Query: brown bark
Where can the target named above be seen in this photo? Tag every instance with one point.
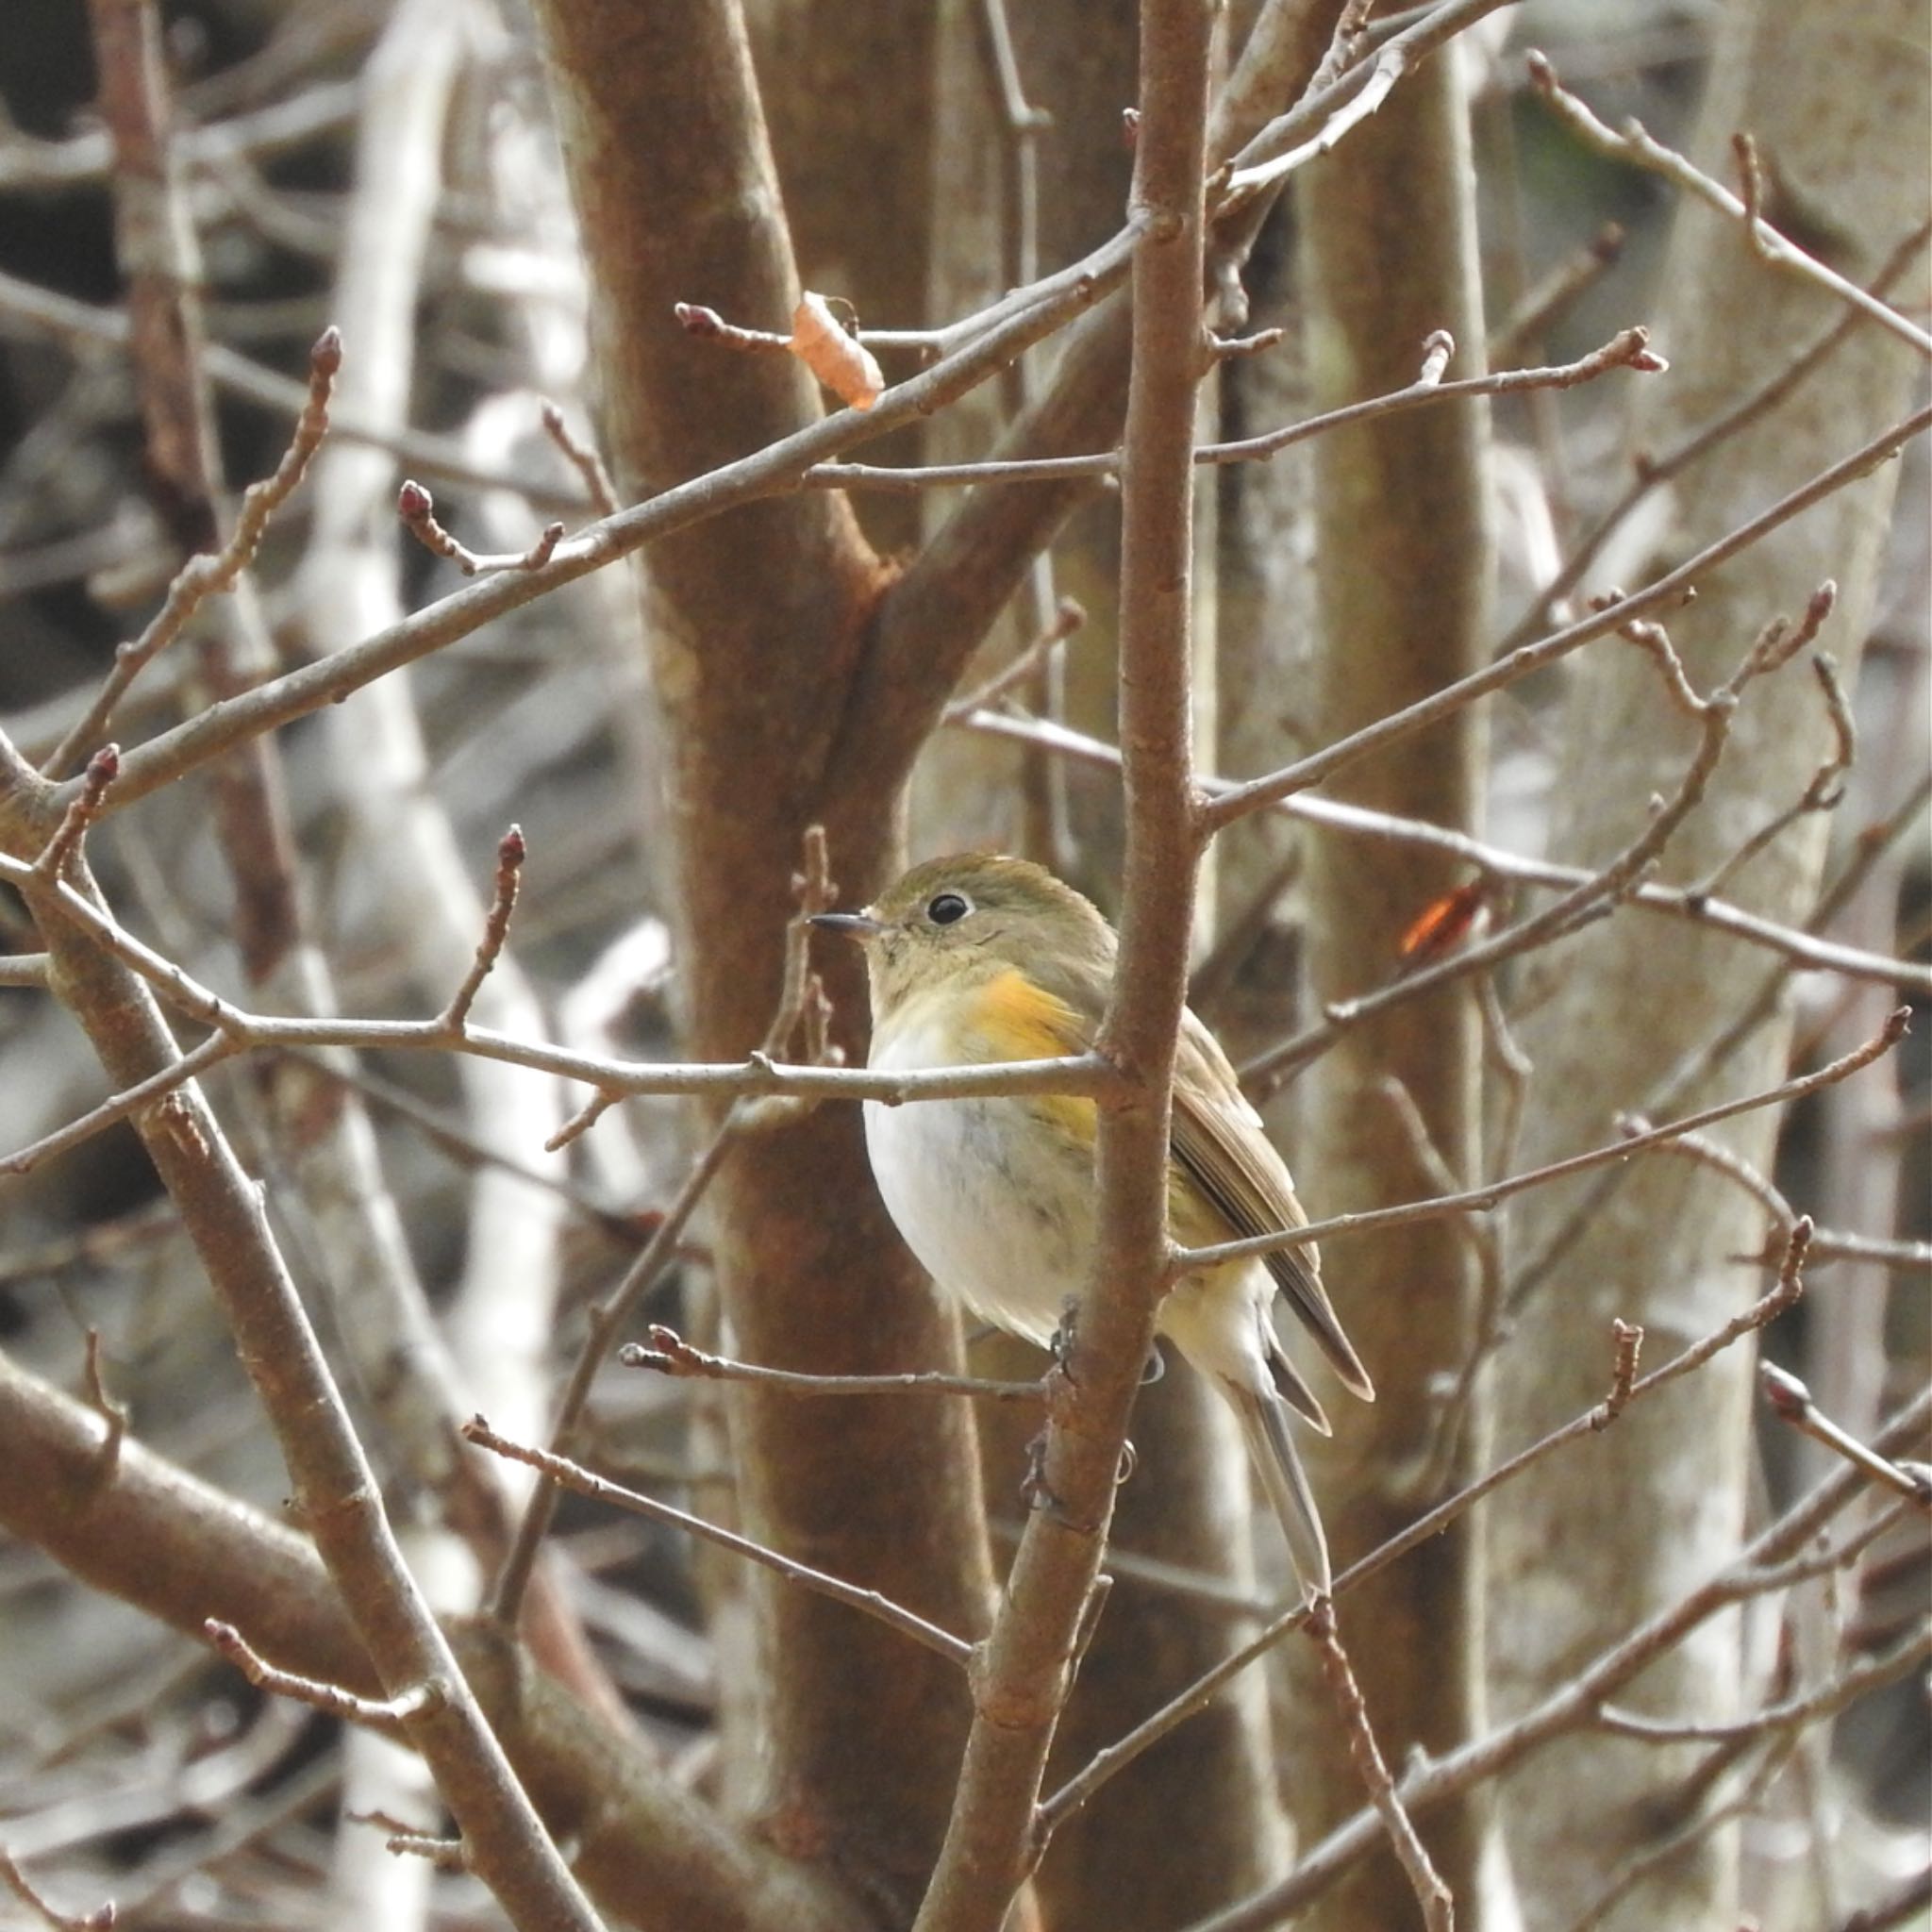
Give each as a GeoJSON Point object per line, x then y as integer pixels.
{"type": "Point", "coordinates": [1402, 568]}
{"type": "Point", "coordinates": [335, 1488]}
{"type": "Point", "coordinates": [757, 627]}
{"type": "Point", "coordinates": [1624, 1003]}
{"type": "Point", "coordinates": [1021, 1685]}
{"type": "Point", "coordinates": [847, 88]}
{"type": "Point", "coordinates": [141, 1529]}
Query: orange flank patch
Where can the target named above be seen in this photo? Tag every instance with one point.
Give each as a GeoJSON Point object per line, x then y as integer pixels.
{"type": "Point", "coordinates": [1019, 1020]}
{"type": "Point", "coordinates": [1015, 1019]}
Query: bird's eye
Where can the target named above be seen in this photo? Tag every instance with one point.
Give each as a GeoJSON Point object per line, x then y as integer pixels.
{"type": "Point", "coordinates": [948, 908]}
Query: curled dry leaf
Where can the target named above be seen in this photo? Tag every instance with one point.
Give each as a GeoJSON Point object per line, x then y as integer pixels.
{"type": "Point", "coordinates": [837, 358]}
{"type": "Point", "coordinates": [1443, 924]}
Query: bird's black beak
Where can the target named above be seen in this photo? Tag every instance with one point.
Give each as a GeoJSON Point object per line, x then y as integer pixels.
{"type": "Point", "coordinates": [855, 925]}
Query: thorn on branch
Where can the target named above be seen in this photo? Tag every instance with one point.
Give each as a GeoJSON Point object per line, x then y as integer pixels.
{"type": "Point", "coordinates": [1751, 189]}
{"type": "Point", "coordinates": [113, 1413]}
{"type": "Point", "coordinates": [1232, 348]}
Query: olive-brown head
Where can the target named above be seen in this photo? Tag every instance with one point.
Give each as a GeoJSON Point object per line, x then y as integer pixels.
{"type": "Point", "coordinates": [964, 921]}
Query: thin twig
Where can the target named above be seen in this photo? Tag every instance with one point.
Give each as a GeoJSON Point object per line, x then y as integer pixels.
{"type": "Point", "coordinates": [670, 1353]}
{"type": "Point", "coordinates": [1825, 791]}
{"type": "Point", "coordinates": [1626, 350]}
{"type": "Point", "coordinates": [407, 1840]}
{"type": "Point", "coordinates": [1634, 143]}
{"type": "Point", "coordinates": [202, 576]}
{"type": "Point", "coordinates": [1868, 1674]}
{"type": "Point", "coordinates": [15, 1880]}
{"type": "Point", "coordinates": [1187, 1259]}
{"type": "Point", "coordinates": [583, 458]}
{"type": "Point", "coordinates": [510, 853]}
{"type": "Point", "coordinates": [418, 1701]}
{"type": "Point", "coordinates": [1069, 617]}
{"type": "Point", "coordinates": [416, 508]}
{"type": "Point", "coordinates": [102, 770]}
{"type": "Point", "coordinates": [1113, 1758]}
{"type": "Point", "coordinates": [1431, 1893]}
{"type": "Point", "coordinates": [1790, 1402]}
{"type": "Point", "coordinates": [560, 1469]}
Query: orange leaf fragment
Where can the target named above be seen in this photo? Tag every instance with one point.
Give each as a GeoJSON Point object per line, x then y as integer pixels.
{"type": "Point", "coordinates": [1443, 924]}
{"type": "Point", "coordinates": [836, 357]}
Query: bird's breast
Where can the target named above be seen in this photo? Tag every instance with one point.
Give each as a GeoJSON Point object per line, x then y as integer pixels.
{"type": "Point", "coordinates": [993, 1196]}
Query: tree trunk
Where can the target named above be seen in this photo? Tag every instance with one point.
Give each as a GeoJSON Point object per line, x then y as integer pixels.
{"type": "Point", "coordinates": [1403, 570]}
{"type": "Point", "coordinates": [758, 620]}
{"type": "Point", "coordinates": [1590, 1542]}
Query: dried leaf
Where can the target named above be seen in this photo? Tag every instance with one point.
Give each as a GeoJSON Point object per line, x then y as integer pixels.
{"type": "Point", "coordinates": [838, 359]}
{"type": "Point", "coordinates": [1443, 924]}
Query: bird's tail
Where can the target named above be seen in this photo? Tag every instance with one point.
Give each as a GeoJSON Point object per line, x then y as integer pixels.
{"type": "Point", "coordinates": [1264, 1422]}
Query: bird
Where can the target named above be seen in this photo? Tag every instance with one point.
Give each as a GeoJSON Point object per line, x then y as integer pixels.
{"type": "Point", "coordinates": [978, 958]}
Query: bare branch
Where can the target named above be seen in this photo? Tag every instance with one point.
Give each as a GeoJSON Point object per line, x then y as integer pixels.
{"type": "Point", "coordinates": [1431, 1894]}
{"type": "Point", "coordinates": [1398, 725]}
{"type": "Point", "coordinates": [15, 1880]}
{"type": "Point", "coordinates": [1792, 1403]}
{"type": "Point", "coordinates": [599, 1489]}
{"type": "Point", "coordinates": [1802, 946]}
{"type": "Point", "coordinates": [1635, 144]}
{"type": "Point", "coordinates": [331, 1698]}
{"type": "Point", "coordinates": [1484, 1197]}
{"type": "Point", "coordinates": [1626, 350]}
{"type": "Point", "coordinates": [202, 577]}
{"type": "Point", "coordinates": [584, 459]}
{"type": "Point", "coordinates": [670, 1353]}
{"type": "Point", "coordinates": [510, 852]}
{"type": "Point", "coordinates": [417, 510]}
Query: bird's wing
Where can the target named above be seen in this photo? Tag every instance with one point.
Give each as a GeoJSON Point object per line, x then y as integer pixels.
{"type": "Point", "coordinates": [1242, 1178]}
